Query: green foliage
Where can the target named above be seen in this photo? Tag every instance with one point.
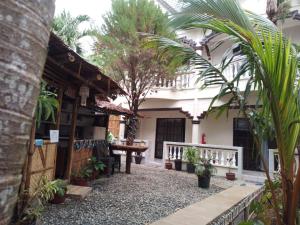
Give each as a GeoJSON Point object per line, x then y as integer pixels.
{"type": "Point", "coordinates": [95, 165]}
{"type": "Point", "coordinates": [36, 203]}
{"type": "Point", "coordinates": [67, 28]}
{"type": "Point", "coordinates": [205, 168]}
{"type": "Point", "coordinates": [119, 50]}
{"type": "Point", "coordinates": [46, 105]}
{"type": "Point", "coordinates": [85, 172]}
{"type": "Point", "coordinates": [60, 187]}
{"type": "Point", "coordinates": [191, 154]}
{"type": "Point", "coordinates": [271, 64]}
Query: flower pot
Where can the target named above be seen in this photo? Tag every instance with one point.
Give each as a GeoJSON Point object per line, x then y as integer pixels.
{"type": "Point", "coordinates": [178, 164]}
{"type": "Point", "coordinates": [138, 159]}
{"type": "Point", "coordinates": [79, 181]}
{"type": "Point", "coordinates": [168, 165]}
{"type": "Point", "coordinates": [58, 199]}
{"type": "Point", "coordinates": [230, 176]}
{"type": "Point", "coordinates": [190, 167]}
{"type": "Point", "coordinates": [203, 181]}
{"type": "Point", "coordinates": [95, 174]}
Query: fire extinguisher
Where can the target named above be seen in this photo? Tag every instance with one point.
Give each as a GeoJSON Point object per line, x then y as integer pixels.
{"type": "Point", "coordinates": [203, 138]}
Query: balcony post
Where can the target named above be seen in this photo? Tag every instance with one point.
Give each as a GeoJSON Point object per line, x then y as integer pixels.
{"type": "Point", "coordinates": [195, 131]}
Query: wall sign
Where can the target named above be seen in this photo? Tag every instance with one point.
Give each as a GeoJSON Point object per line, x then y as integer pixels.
{"type": "Point", "coordinates": [54, 135]}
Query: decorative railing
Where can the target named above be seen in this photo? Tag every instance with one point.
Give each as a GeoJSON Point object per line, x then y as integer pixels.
{"type": "Point", "coordinates": [137, 142]}
{"type": "Point", "coordinates": [274, 162]}
{"type": "Point", "coordinates": [189, 79]}
{"type": "Point", "coordinates": [221, 156]}
{"type": "Point", "coordinates": [182, 81]}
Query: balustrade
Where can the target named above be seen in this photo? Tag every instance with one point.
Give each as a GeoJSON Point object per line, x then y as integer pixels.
{"type": "Point", "coordinates": [220, 156]}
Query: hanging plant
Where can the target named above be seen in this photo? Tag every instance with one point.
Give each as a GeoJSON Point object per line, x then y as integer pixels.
{"type": "Point", "coordinates": [46, 105]}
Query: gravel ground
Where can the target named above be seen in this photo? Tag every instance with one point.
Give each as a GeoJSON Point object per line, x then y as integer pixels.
{"type": "Point", "coordinates": [142, 197]}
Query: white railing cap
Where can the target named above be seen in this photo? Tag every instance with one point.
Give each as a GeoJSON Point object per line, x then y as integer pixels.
{"type": "Point", "coordinates": [224, 147]}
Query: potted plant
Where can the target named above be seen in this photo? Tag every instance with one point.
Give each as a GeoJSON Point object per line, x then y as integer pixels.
{"type": "Point", "coordinates": [230, 175]}
{"type": "Point", "coordinates": [168, 164]}
{"type": "Point", "coordinates": [191, 154]}
{"type": "Point", "coordinates": [138, 158]}
{"type": "Point", "coordinates": [59, 192]}
{"type": "Point", "coordinates": [95, 166]}
{"type": "Point", "coordinates": [204, 170]}
{"type": "Point", "coordinates": [82, 176]}
{"type": "Point", "coordinates": [178, 164]}
{"type": "Point", "coordinates": [32, 210]}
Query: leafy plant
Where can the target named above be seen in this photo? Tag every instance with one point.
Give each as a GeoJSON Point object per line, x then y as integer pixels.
{"type": "Point", "coordinates": [46, 105]}
{"type": "Point", "coordinates": [269, 61]}
{"type": "Point", "coordinates": [67, 28]}
{"type": "Point", "coordinates": [205, 168]}
{"type": "Point", "coordinates": [36, 203]}
{"type": "Point", "coordinates": [95, 165]}
{"type": "Point", "coordinates": [85, 173]}
{"type": "Point", "coordinates": [60, 187]}
{"type": "Point", "coordinates": [191, 154]}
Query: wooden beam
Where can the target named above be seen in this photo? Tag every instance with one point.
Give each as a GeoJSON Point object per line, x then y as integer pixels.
{"type": "Point", "coordinates": [75, 75]}
{"type": "Point", "coordinates": [58, 113]}
{"type": "Point", "coordinates": [71, 140]}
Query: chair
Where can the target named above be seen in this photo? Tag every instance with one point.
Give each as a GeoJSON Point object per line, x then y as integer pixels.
{"type": "Point", "coordinates": [102, 153]}
{"type": "Point", "coordinates": [117, 159]}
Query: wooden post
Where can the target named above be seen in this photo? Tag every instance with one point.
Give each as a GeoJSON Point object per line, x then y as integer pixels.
{"type": "Point", "coordinates": [128, 161]}
{"type": "Point", "coordinates": [58, 113]}
{"type": "Point", "coordinates": [71, 140]}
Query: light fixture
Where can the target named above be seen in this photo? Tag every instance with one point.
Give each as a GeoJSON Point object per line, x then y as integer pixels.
{"type": "Point", "coordinates": [98, 77]}
{"type": "Point", "coordinates": [84, 94]}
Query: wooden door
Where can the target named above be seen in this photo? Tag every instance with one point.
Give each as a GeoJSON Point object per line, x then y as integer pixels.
{"type": "Point", "coordinates": [243, 137]}
{"type": "Point", "coordinates": [168, 129]}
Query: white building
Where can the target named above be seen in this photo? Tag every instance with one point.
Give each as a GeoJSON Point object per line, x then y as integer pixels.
{"type": "Point", "coordinates": [177, 111]}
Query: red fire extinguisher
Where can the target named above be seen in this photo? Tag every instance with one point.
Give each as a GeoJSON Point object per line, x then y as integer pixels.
{"type": "Point", "coordinates": [203, 138]}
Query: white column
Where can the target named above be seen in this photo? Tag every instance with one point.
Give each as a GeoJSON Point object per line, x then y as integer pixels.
{"type": "Point", "coordinates": [122, 128]}
{"type": "Point", "coordinates": [195, 131]}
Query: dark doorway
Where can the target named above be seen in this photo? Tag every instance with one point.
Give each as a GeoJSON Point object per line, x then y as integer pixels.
{"type": "Point", "coordinates": [243, 137]}
{"type": "Point", "coordinates": [170, 129]}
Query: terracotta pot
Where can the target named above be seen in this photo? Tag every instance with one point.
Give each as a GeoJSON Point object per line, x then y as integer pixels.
{"type": "Point", "coordinates": [95, 175]}
{"type": "Point", "coordinates": [79, 181]}
{"type": "Point", "coordinates": [230, 176]}
{"type": "Point", "coordinates": [58, 199]}
{"type": "Point", "coordinates": [168, 165]}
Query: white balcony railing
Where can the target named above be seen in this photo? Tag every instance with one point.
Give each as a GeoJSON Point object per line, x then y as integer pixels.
{"type": "Point", "coordinates": [189, 80]}
{"type": "Point", "coordinates": [274, 163]}
{"type": "Point", "coordinates": [221, 156]}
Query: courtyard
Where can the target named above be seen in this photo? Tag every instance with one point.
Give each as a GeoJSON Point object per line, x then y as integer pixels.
{"type": "Point", "coordinates": [142, 197]}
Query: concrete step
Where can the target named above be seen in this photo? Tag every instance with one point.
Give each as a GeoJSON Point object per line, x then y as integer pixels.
{"type": "Point", "coordinates": [78, 192]}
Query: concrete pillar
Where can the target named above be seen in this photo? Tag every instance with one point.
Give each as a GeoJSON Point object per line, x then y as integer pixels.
{"type": "Point", "coordinates": [195, 131]}
{"type": "Point", "coordinates": [122, 128]}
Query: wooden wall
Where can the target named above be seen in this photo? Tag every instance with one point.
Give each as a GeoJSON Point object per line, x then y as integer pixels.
{"type": "Point", "coordinates": [114, 125]}
{"type": "Point", "coordinates": [43, 164]}
{"type": "Point", "coordinates": [80, 159]}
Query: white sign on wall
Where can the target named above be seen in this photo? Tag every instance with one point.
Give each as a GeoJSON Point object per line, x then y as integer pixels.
{"type": "Point", "coordinates": [54, 135]}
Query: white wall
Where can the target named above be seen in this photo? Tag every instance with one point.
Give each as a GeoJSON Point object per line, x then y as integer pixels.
{"type": "Point", "coordinates": [219, 131]}
{"type": "Point", "coordinates": [147, 129]}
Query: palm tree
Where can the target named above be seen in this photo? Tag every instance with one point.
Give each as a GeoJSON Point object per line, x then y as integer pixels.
{"type": "Point", "coordinates": [25, 30]}
{"type": "Point", "coordinates": [272, 64]}
{"type": "Point", "coordinates": [277, 9]}
{"type": "Point", "coordinates": [67, 28]}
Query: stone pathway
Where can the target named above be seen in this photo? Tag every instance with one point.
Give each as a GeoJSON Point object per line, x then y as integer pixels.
{"type": "Point", "coordinates": [145, 196]}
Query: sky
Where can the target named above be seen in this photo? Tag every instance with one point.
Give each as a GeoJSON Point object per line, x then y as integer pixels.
{"type": "Point", "coordinates": [95, 9]}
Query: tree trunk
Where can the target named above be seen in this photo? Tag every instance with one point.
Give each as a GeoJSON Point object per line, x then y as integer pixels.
{"type": "Point", "coordinates": [24, 28]}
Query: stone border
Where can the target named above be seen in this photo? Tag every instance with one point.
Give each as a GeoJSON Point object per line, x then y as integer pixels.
{"type": "Point", "coordinates": [230, 215]}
